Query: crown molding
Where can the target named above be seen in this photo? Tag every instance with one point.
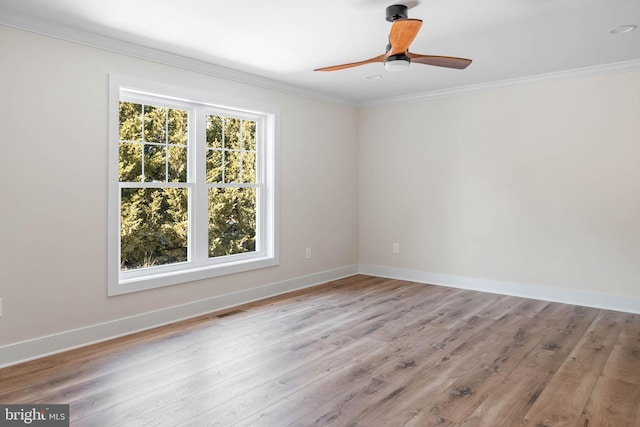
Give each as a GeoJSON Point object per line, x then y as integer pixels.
{"type": "Point", "coordinates": [614, 68]}
{"type": "Point", "coordinates": [87, 38]}
{"type": "Point", "coordinates": [62, 32]}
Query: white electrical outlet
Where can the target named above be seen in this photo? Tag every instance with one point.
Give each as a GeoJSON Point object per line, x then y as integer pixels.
{"type": "Point", "coordinates": [396, 248]}
{"type": "Point", "coordinates": [307, 253]}
{"type": "Point", "coordinates": [0, 307]}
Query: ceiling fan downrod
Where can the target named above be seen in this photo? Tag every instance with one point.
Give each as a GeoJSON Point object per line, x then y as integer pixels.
{"type": "Point", "coordinates": [397, 62]}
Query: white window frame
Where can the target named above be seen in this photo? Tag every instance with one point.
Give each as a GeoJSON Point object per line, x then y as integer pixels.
{"type": "Point", "coordinates": [199, 265]}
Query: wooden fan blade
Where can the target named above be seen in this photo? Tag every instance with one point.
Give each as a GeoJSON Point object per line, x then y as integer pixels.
{"type": "Point", "coordinates": [403, 31]}
{"type": "Point", "coordinates": [353, 64]}
{"type": "Point", "coordinates": [440, 61]}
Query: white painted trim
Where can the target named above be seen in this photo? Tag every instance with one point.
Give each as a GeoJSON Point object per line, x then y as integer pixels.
{"type": "Point", "coordinates": [197, 103]}
{"type": "Point", "coordinates": [618, 67]}
{"type": "Point", "coordinates": [43, 346]}
{"type": "Point", "coordinates": [51, 344]}
{"type": "Point", "coordinates": [562, 295]}
{"type": "Point", "coordinates": [87, 38]}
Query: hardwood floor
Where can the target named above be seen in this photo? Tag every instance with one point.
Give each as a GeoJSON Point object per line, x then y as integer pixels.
{"type": "Point", "coordinates": [361, 351]}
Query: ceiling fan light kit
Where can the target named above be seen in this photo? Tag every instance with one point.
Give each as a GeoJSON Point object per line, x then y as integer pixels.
{"type": "Point", "coordinates": [397, 63]}
{"type": "Point", "coordinates": [623, 29]}
{"type": "Point", "coordinates": [397, 56]}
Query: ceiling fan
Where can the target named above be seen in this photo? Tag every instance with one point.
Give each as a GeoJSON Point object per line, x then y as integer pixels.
{"type": "Point", "coordinates": [397, 56]}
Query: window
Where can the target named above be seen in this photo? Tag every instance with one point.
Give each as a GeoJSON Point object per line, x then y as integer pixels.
{"type": "Point", "coordinates": [191, 186]}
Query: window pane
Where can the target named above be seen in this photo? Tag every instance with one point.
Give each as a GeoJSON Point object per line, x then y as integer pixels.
{"type": "Point", "coordinates": [130, 165]}
{"type": "Point", "coordinates": [231, 166]}
{"type": "Point", "coordinates": [130, 121]}
{"type": "Point", "coordinates": [248, 135]}
{"type": "Point", "coordinates": [248, 166]}
{"type": "Point", "coordinates": [154, 124]}
{"type": "Point", "coordinates": [231, 133]}
{"type": "Point", "coordinates": [232, 221]}
{"type": "Point", "coordinates": [214, 132]}
{"type": "Point", "coordinates": [154, 163]}
{"type": "Point", "coordinates": [177, 163]}
{"type": "Point", "coordinates": [177, 127]}
{"type": "Point", "coordinates": [153, 227]}
{"type": "Point", "coordinates": [214, 166]}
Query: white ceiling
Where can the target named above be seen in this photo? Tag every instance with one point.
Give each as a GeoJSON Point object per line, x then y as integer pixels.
{"type": "Point", "coordinates": [284, 40]}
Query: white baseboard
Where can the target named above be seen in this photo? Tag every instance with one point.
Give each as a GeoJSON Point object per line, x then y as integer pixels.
{"type": "Point", "coordinates": [562, 295]}
{"type": "Point", "coordinates": [12, 354]}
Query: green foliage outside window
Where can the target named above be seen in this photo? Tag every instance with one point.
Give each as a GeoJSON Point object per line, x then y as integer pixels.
{"type": "Point", "coordinates": [154, 221]}
{"type": "Point", "coordinates": [231, 158]}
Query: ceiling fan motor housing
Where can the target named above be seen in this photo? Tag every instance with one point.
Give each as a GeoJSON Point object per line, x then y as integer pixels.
{"type": "Point", "coordinates": [397, 11]}
{"type": "Point", "coordinates": [399, 57]}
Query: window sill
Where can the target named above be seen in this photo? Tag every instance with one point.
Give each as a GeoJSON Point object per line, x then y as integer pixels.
{"type": "Point", "coordinates": [157, 280]}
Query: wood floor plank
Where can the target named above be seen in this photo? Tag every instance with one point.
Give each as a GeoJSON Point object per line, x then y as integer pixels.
{"type": "Point", "coordinates": [295, 381]}
{"type": "Point", "coordinates": [625, 357]}
{"type": "Point", "coordinates": [527, 380]}
{"type": "Point", "coordinates": [191, 396]}
{"type": "Point", "coordinates": [436, 305]}
{"type": "Point", "coordinates": [342, 382]}
{"type": "Point", "coordinates": [389, 405]}
{"type": "Point", "coordinates": [281, 413]}
{"type": "Point", "coordinates": [530, 307]}
{"type": "Point", "coordinates": [362, 351]}
{"type": "Point", "coordinates": [346, 408]}
{"type": "Point", "coordinates": [521, 386]}
{"type": "Point", "coordinates": [462, 398]}
{"type": "Point", "coordinates": [563, 399]}
{"type": "Point", "coordinates": [444, 352]}
{"type": "Point", "coordinates": [612, 403]}
{"type": "Point", "coordinates": [503, 305]}
{"type": "Point", "coordinates": [426, 418]}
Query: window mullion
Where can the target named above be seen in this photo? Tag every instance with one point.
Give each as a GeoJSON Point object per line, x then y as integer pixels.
{"type": "Point", "coordinates": [260, 192]}
{"type": "Point", "coordinates": [240, 153]}
{"type": "Point", "coordinates": [223, 146]}
{"type": "Point", "coordinates": [200, 221]}
{"type": "Point", "coordinates": [142, 142]}
{"type": "Point", "coordinates": [166, 145]}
